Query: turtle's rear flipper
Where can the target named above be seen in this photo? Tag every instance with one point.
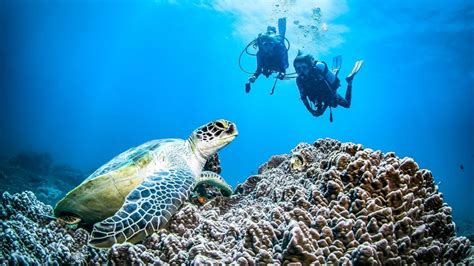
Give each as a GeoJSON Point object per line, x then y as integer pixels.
{"type": "Point", "coordinates": [70, 219]}
{"type": "Point", "coordinates": [354, 71]}
{"type": "Point", "coordinates": [146, 209]}
{"type": "Point", "coordinates": [215, 180]}
{"type": "Point", "coordinates": [209, 185]}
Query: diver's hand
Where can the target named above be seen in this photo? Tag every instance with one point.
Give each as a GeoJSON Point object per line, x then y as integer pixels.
{"type": "Point", "coordinates": [318, 112]}
{"type": "Point", "coordinates": [252, 79]}
{"type": "Point", "coordinates": [281, 76]}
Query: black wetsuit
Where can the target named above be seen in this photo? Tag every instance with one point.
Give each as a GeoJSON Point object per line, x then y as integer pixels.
{"type": "Point", "coordinates": [320, 92]}
{"type": "Point", "coordinates": [275, 61]}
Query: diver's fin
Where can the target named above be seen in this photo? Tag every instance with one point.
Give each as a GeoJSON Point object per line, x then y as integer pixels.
{"type": "Point", "coordinates": [336, 64]}
{"type": "Point", "coordinates": [282, 27]}
{"type": "Point", "coordinates": [354, 71]}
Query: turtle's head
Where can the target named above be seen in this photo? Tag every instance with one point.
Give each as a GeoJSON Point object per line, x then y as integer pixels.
{"type": "Point", "coordinates": [211, 137]}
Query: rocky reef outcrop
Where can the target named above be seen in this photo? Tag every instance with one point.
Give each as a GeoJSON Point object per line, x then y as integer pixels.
{"type": "Point", "coordinates": [324, 203]}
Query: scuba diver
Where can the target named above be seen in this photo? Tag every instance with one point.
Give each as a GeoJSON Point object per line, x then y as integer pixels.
{"type": "Point", "coordinates": [318, 85]}
{"type": "Point", "coordinates": [272, 54]}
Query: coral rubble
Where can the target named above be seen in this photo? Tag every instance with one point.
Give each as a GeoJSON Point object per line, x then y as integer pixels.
{"type": "Point", "coordinates": [329, 202]}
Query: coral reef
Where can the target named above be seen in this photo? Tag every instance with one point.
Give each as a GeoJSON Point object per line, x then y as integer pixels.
{"type": "Point", "coordinates": [465, 227]}
{"type": "Point", "coordinates": [213, 164]}
{"type": "Point", "coordinates": [38, 173]}
{"type": "Point", "coordinates": [326, 202]}
{"type": "Point", "coordinates": [38, 163]}
{"type": "Point", "coordinates": [29, 236]}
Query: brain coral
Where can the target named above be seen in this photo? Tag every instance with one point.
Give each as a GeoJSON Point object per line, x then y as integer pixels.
{"type": "Point", "coordinates": [329, 202]}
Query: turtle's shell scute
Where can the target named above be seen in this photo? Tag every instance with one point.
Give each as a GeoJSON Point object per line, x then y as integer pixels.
{"type": "Point", "coordinates": [129, 157]}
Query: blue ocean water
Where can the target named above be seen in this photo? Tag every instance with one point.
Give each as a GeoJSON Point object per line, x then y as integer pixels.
{"type": "Point", "coordinates": [86, 80]}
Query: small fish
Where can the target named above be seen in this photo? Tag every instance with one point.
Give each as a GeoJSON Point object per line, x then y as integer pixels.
{"type": "Point", "coordinates": [201, 200]}
{"type": "Point", "coordinates": [462, 167]}
{"type": "Point", "coordinates": [296, 162]}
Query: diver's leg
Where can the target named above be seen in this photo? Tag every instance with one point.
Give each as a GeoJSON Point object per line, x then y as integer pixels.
{"type": "Point", "coordinates": [345, 102]}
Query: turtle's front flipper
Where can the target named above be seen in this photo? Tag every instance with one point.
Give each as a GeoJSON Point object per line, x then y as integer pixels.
{"type": "Point", "coordinates": [146, 209]}
{"type": "Point", "coordinates": [215, 180]}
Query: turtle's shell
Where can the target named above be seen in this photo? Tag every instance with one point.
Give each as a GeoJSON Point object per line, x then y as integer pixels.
{"type": "Point", "coordinates": [104, 192]}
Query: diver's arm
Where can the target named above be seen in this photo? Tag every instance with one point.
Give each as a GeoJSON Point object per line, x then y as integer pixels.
{"type": "Point", "coordinates": [306, 103]}
{"type": "Point", "coordinates": [303, 95]}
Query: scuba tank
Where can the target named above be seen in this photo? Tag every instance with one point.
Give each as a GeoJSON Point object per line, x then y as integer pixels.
{"type": "Point", "coordinates": [330, 77]}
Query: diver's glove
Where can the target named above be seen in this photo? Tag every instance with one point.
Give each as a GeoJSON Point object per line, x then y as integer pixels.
{"type": "Point", "coordinates": [252, 79]}
{"type": "Point", "coordinates": [317, 112]}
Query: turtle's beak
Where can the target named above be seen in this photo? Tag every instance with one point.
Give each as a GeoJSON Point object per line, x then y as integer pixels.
{"type": "Point", "coordinates": [232, 130]}
{"type": "Point", "coordinates": [230, 133]}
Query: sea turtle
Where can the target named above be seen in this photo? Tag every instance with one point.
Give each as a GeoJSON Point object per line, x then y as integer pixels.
{"type": "Point", "coordinates": [137, 192]}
